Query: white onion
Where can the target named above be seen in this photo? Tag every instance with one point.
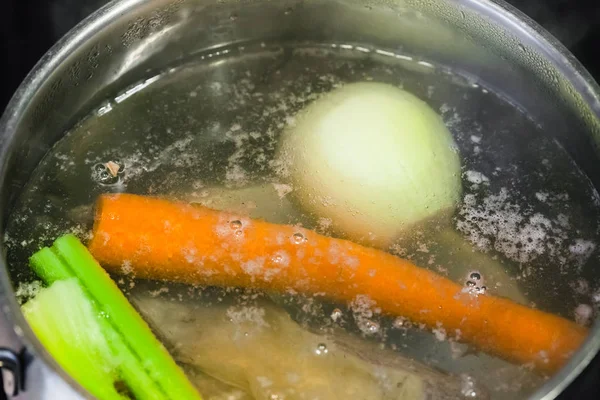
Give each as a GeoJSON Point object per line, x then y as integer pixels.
{"type": "Point", "coordinates": [374, 159]}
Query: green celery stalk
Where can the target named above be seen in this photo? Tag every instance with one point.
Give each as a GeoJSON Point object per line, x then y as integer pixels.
{"type": "Point", "coordinates": [99, 340]}
{"type": "Point", "coordinates": [157, 361]}
{"type": "Point", "coordinates": [49, 267]}
{"type": "Point", "coordinates": [64, 321]}
{"type": "Point", "coordinates": [130, 368]}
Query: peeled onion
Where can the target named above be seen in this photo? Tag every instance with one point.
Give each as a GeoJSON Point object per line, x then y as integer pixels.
{"type": "Point", "coordinates": [374, 159]}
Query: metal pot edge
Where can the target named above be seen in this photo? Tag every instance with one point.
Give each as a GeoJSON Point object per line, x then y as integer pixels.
{"type": "Point", "coordinates": [496, 10]}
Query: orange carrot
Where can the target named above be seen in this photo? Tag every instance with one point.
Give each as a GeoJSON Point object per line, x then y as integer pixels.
{"type": "Point", "coordinates": [162, 240]}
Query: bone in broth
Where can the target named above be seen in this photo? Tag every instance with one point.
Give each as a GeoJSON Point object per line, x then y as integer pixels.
{"type": "Point", "coordinates": [522, 226]}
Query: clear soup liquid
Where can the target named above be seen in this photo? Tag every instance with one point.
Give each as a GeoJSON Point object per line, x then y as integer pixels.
{"type": "Point", "coordinates": [206, 132]}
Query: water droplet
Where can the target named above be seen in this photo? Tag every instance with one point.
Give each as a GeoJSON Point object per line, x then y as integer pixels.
{"type": "Point", "coordinates": [276, 396]}
{"type": "Point", "coordinates": [463, 15]}
{"type": "Point", "coordinates": [470, 283]}
{"type": "Point", "coordinates": [298, 238]}
{"type": "Point", "coordinates": [475, 275]}
{"type": "Point", "coordinates": [233, 16]}
{"type": "Point", "coordinates": [321, 349]}
{"type": "Point", "coordinates": [482, 290]}
{"type": "Point", "coordinates": [336, 314]}
{"type": "Point", "coordinates": [521, 47]}
{"type": "Point", "coordinates": [238, 233]}
{"type": "Point", "coordinates": [235, 225]}
{"type": "Point", "coordinates": [288, 11]}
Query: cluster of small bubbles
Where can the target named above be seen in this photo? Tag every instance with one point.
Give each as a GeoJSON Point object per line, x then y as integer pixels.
{"type": "Point", "coordinates": [470, 389]}
{"type": "Point", "coordinates": [336, 314]}
{"type": "Point", "coordinates": [372, 327]}
{"type": "Point", "coordinates": [583, 314]}
{"type": "Point", "coordinates": [401, 322]}
{"type": "Point", "coordinates": [321, 349]}
{"type": "Point", "coordinates": [298, 238]}
{"type": "Point", "coordinates": [108, 173]}
{"type": "Point", "coordinates": [276, 396]}
{"type": "Point", "coordinates": [236, 226]}
{"type": "Point", "coordinates": [475, 283]}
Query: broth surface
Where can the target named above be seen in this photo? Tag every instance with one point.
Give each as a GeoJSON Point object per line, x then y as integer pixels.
{"type": "Point", "coordinates": [206, 132]}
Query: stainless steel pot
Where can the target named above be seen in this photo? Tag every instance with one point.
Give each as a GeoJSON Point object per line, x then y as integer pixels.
{"type": "Point", "coordinates": [129, 39]}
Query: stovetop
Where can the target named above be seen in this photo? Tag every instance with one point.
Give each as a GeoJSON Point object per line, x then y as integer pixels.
{"type": "Point", "coordinates": [28, 28]}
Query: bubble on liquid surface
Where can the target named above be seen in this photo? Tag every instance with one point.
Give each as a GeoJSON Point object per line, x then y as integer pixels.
{"type": "Point", "coordinates": [475, 275]}
{"type": "Point", "coordinates": [235, 225]}
{"type": "Point", "coordinates": [281, 258]}
{"type": "Point", "coordinates": [298, 238]}
{"type": "Point", "coordinates": [321, 349]}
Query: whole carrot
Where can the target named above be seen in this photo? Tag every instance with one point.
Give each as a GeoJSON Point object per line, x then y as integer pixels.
{"type": "Point", "coordinates": [158, 239]}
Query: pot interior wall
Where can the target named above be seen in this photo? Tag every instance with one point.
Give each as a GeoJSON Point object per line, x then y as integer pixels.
{"type": "Point", "coordinates": [150, 36]}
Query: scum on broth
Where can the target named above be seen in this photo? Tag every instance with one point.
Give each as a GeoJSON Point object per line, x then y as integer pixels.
{"type": "Point", "coordinates": [206, 132]}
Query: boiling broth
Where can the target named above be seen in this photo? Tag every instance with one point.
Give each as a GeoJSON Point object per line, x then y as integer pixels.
{"type": "Point", "coordinates": [206, 131]}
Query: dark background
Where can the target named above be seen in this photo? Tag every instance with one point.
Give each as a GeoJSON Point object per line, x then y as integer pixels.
{"type": "Point", "coordinates": [28, 28]}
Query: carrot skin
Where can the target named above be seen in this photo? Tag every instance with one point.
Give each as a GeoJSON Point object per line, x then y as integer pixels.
{"type": "Point", "coordinates": [157, 239]}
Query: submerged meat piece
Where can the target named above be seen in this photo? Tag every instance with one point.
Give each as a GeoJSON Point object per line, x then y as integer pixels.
{"type": "Point", "coordinates": [212, 388]}
{"type": "Point", "coordinates": [260, 350]}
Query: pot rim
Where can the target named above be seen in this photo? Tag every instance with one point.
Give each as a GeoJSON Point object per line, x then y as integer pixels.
{"type": "Point", "coordinates": [497, 10]}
